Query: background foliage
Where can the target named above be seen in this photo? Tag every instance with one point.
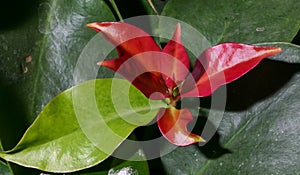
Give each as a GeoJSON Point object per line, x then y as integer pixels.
{"type": "Point", "coordinates": [258, 134]}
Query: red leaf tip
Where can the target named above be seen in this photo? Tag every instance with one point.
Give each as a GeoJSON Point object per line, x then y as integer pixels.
{"type": "Point", "coordinates": [173, 123]}
{"type": "Point", "coordinates": [98, 26]}
{"type": "Point", "coordinates": [100, 63]}
{"type": "Point", "coordinates": [276, 50]}
{"type": "Point", "coordinates": [177, 33]}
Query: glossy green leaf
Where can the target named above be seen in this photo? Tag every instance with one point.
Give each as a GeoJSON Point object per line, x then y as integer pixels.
{"type": "Point", "coordinates": [239, 21]}
{"type": "Point", "coordinates": [131, 167]}
{"type": "Point", "coordinates": [53, 33]}
{"type": "Point", "coordinates": [259, 130]}
{"type": "Point", "coordinates": [82, 126]}
{"type": "Point", "coordinates": [136, 164]}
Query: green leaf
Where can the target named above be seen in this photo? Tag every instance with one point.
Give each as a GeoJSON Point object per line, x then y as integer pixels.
{"type": "Point", "coordinates": [53, 33]}
{"type": "Point", "coordinates": [290, 52]}
{"type": "Point", "coordinates": [54, 36]}
{"type": "Point", "coordinates": [4, 169]}
{"type": "Point", "coordinates": [239, 21]}
{"type": "Point", "coordinates": [136, 164]}
{"type": "Point", "coordinates": [259, 130]}
{"type": "Point", "coordinates": [82, 126]}
{"type": "Point", "coordinates": [131, 167]}
{"type": "Point", "coordinates": [154, 7]}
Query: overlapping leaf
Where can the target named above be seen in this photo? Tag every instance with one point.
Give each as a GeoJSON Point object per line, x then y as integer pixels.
{"type": "Point", "coordinates": [259, 132]}
{"type": "Point", "coordinates": [53, 33]}
{"type": "Point", "coordinates": [261, 108]}
{"type": "Point", "coordinates": [239, 21]}
{"type": "Point", "coordinates": [70, 134]}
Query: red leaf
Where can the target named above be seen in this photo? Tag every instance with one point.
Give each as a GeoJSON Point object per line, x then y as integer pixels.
{"type": "Point", "coordinates": [149, 72]}
{"type": "Point", "coordinates": [152, 70]}
{"type": "Point", "coordinates": [128, 39]}
{"type": "Point", "coordinates": [223, 64]}
{"type": "Point", "coordinates": [172, 123]}
{"type": "Point", "coordinates": [131, 42]}
{"type": "Point", "coordinates": [181, 64]}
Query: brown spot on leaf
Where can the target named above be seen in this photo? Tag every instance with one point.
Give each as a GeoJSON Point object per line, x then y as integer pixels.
{"type": "Point", "coordinates": [28, 59]}
{"type": "Point", "coordinates": [24, 69]}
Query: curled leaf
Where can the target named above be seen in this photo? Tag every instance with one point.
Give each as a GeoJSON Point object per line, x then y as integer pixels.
{"type": "Point", "coordinates": [173, 123]}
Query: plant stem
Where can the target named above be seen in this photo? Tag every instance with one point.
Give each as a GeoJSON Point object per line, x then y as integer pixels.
{"type": "Point", "coordinates": [116, 10]}
{"type": "Point", "coordinates": [7, 163]}
{"type": "Point", "coordinates": [152, 6]}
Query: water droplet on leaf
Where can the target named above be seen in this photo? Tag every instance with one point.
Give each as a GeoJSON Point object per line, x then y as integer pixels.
{"type": "Point", "coordinates": [260, 29]}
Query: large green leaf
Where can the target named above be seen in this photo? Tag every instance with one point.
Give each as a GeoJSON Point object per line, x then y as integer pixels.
{"type": "Point", "coordinates": [259, 130]}
{"type": "Point", "coordinates": [83, 126]}
{"type": "Point", "coordinates": [54, 36]}
{"type": "Point", "coordinates": [239, 21]}
{"type": "Point", "coordinates": [53, 33]}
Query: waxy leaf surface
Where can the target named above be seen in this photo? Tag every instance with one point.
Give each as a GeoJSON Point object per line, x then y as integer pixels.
{"type": "Point", "coordinates": [223, 64]}
{"type": "Point", "coordinates": [259, 130]}
{"type": "Point", "coordinates": [70, 134]}
{"type": "Point", "coordinates": [53, 33]}
{"type": "Point", "coordinates": [163, 72]}
{"type": "Point", "coordinates": [130, 42]}
{"type": "Point", "coordinates": [239, 21]}
{"type": "Point", "coordinates": [173, 123]}
{"type": "Point", "coordinates": [290, 52]}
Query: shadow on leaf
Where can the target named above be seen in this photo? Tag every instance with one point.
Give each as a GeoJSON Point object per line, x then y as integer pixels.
{"type": "Point", "coordinates": [212, 149]}
{"type": "Point", "coordinates": [15, 12]}
{"type": "Point", "coordinates": [13, 124]}
{"type": "Point", "coordinates": [257, 85]}
{"type": "Point", "coordinates": [262, 82]}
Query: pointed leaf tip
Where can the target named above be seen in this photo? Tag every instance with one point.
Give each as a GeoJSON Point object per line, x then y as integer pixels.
{"type": "Point", "coordinates": [225, 63]}
{"type": "Point", "coordinates": [173, 123]}
{"type": "Point", "coordinates": [177, 33]}
{"type": "Point", "coordinates": [181, 64]}
{"type": "Point", "coordinates": [98, 26]}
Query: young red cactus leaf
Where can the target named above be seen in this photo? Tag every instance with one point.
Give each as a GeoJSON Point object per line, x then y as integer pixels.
{"type": "Point", "coordinates": [173, 122]}
{"type": "Point", "coordinates": [223, 64]}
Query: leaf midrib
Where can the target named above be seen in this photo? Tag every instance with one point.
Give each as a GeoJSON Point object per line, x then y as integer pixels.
{"type": "Point", "coordinates": [53, 4]}
{"type": "Point", "coordinates": [113, 117]}
{"type": "Point", "coordinates": [242, 127]}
